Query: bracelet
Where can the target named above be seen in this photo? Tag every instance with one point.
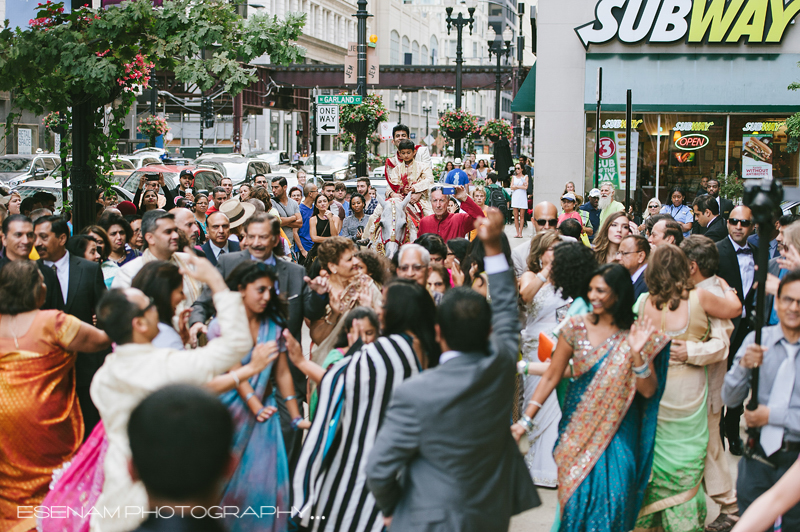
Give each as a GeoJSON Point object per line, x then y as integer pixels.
{"type": "Point", "coordinates": [289, 398]}
{"type": "Point", "coordinates": [522, 367]}
{"type": "Point", "coordinates": [235, 377]}
{"type": "Point", "coordinates": [541, 277]}
{"type": "Point", "coordinates": [262, 409]}
{"type": "Point", "coordinates": [535, 403]}
{"type": "Point", "coordinates": [526, 422]}
{"type": "Point", "coordinates": [249, 396]}
{"type": "Point", "coordinates": [642, 372]}
{"type": "Point", "coordinates": [296, 421]}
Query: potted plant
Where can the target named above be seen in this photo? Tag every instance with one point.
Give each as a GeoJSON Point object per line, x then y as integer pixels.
{"type": "Point", "coordinates": [497, 129]}
{"type": "Point", "coordinates": [362, 118]}
{"type": "Point", "coordinates": [458, 123]}
{"type": "Point", "coordinates": [56, 122]}
{"type": "Point", "coordinates": [151, 127]}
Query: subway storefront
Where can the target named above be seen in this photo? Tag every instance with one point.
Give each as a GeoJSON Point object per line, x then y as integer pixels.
{"type": "Point", "coordinates": [709, 83]}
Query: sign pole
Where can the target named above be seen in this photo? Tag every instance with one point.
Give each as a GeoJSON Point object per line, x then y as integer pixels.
{"type": "Point", "coordinates": [597, 128]}
{"type": "Point", "coordinates": [314, 133]}
{"type": "Point", "coordinates": [628, 163]}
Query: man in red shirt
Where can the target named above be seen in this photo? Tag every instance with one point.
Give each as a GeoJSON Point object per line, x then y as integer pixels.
{"type": "Point", "coordinates": [448, 225]}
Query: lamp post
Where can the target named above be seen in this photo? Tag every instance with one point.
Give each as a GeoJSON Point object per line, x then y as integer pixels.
{"type": "Point", "coordinates": [499, 46]}
{"type": "Point", "coordinates": [361, 84]}
{"type": "Point", "coordinates": [400, 102]}
{"type": "Point", "coordinates": [427, 108]}
{"type": "Point", "coordinates": [459, 22]}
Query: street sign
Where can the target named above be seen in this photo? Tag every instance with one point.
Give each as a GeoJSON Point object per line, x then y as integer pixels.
{"type": "Point", "coordinates": [339, 99]}
{"type": "Point", "coordinates": [327, 119]}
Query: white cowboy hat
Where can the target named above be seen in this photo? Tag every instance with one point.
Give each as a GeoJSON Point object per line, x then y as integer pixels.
{"type": "Point", "coordinates": [457, 162]}
{"type": "Point", "coordinates": [236, 211]}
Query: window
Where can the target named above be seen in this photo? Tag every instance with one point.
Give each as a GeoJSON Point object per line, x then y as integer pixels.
{"type": "Point", "coordinates": [424, 55]}
{"type": "Point", "coordinates": [475, 50]}
{"type": "Point", "coordinates": [415, 53]}
{"type": "Point", "coordinates": [394, 50]}
{"type": "Point", "coordinates": [451, 46]}
{"type": "Point", "coordinates": [434, 48]}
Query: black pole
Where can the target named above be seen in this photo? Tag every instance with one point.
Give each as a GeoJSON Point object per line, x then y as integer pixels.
{"type": "Point", "coordinates": [361, 81]}
{"type": "Point", "coordinates": [82, 178]}
{"type": "Point", "coordinates": [597, 128]}
{"type": "Point", "coordinates": [629, 163]}
{"type": "Point", "coordinates": [459, 22]}
{"type": "Point", "coordinates": [202, 122]}
{"type": "Point", "coordinates": [497, 79]}
{"type": "Point", "coordinates": [313, 119]}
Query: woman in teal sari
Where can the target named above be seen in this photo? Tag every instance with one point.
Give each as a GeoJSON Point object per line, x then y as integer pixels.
{"type": "Point", "coordinates": [607, 430]}
{"type": "Point", "coordinates": [261, 479]}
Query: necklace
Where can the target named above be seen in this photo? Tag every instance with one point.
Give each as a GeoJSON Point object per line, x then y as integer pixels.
{"type": "Point", "coordinates": [12, 328]}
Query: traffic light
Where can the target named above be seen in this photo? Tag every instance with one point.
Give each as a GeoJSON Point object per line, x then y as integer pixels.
{"type": "Point", "coordinates": [208, 113]}
{"type": "Point", "coordinates": [526, 131]}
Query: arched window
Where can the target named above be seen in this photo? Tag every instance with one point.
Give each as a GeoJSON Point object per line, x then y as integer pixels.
{"type": "Point", "coordinates": [434, 49]}
{"type": "Point", "coordinates": [423, 57]}
{"type": "Point", "coordinates": [394, 51]}
{"type": "Point", "coordinates": [415, 53]}
{"type": "Point", "coordinates": [406, 49]}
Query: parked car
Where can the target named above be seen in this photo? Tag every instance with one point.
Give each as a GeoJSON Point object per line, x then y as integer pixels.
{"type": "Point", "coordinates": [273, 157]}
{"type": "Point", "coordinates": [238, 169]}
{"type": "Point", "coordinates": [17, 169]}
{"type": "Point", "coordinates": [333, 165]}
{"type": "Point", "coordinates": [143, 159]}
{"type": "Point", "coordinates": [379, 173]}
{"type": "Point", "coordinates": [53, 186]}
{"type": "Point", "coordinates": [204, 178]}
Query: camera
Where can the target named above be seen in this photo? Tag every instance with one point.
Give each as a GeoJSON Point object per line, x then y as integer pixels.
{"type": "Point", "coordinates": [764, 197]}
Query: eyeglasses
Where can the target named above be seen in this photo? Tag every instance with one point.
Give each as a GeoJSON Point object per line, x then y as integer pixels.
{"type": "Point", "coordinates": [652, 206]}
{"type": "Point", "coordinates": [551, 222]}
{"type": "Point", "coordinates": [789, 301]}
{"type": "Point", "coordinates": [623, 253]}
{"type": "Point", "coordinates": [405, 267]}
{"type": "Point", "coordinates": [737, 221]}
{"type": "Point", "coordinates": [143, 311]}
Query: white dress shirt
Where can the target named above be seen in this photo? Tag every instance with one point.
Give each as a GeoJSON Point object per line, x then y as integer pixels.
{"type": "Point", "coordinates": [217, 250]}
{"type": "Point", "coordinates": [62, 272]}
{"type": "Point", "coordinates": [747, 269]}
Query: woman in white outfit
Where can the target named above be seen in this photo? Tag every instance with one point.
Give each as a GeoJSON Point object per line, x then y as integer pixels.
{"type": "Point", "coordinates": [541, 301]}
{"type": "Point", "coordinates": [519, 197]}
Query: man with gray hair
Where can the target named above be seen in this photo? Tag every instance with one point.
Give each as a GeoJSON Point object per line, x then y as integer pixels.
{"type": "Point", "coordinates": [608, 205]}
{"type": "Point", "coordinates": [414, 263]}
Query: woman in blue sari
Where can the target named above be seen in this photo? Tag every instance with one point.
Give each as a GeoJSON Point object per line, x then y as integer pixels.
{"type": "Point", "coordinates": [259, 487]}
{"type": "Point", "coordinates": [617, 375]}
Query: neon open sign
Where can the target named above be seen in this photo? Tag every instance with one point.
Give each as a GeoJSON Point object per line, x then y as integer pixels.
{"type": "Point", "coordinates": [691, 142]}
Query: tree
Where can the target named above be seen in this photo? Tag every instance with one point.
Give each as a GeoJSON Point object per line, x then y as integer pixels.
{"type": "Point", "coordinates": [88, 64]}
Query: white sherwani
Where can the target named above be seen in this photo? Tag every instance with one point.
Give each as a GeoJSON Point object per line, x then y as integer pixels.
{"type": "Point", "coordinates": [132, 373]}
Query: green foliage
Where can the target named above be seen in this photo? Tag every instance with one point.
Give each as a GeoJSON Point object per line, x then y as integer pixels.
{"type": "Point", "coordinates": [793, 125]}
{"type": "Point", "coordinates": [65, 59]}
{"type": "Point", "coordinates": [730, 186]}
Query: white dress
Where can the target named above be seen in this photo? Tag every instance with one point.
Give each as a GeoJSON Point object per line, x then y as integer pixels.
{"type": "Point", "coordinates": [519, 198]}
{"type": "Point", "coordinates": [540, 316]}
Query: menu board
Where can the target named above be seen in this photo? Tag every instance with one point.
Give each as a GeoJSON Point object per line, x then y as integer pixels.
{"type": "Point", "coordinates": [613, 166]}
{"type": "Point", "coordinates": [757, 156]}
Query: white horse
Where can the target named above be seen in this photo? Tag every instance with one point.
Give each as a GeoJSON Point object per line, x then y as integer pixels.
{"type": "Point", "coordinates": [392, 228]}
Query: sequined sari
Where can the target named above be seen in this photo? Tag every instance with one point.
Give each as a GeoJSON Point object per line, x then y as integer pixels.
{"type": "Point", "coordinates": [41, 425]}
{"type": "Point", "coordinates": [607, 432]}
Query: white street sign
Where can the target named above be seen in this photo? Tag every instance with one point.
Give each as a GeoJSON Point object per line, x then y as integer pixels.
{"type": "Point", "coordinates": [327, 120]}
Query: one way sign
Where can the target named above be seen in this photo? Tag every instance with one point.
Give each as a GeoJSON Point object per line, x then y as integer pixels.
{"type": "Point", "coordinates": [327, 119]}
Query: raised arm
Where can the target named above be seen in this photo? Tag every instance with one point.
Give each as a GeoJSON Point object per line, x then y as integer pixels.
{"type": "Point", "coordinates": [727, 307]}
{"type": "Point", "coordinates": [89, 339]}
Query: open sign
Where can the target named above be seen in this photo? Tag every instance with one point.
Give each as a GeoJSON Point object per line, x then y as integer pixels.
{"type": "Point", "coordinates": [691, 142]}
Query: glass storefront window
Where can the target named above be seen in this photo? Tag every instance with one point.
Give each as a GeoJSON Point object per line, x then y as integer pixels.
{"type": "Point", "coordinates": [758, 149]}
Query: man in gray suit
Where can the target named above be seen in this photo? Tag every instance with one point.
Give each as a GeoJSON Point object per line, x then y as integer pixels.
{"type": "Point", "coordinates": [446, 431]}
{"type": "Point", "coordinates": [306, 300]}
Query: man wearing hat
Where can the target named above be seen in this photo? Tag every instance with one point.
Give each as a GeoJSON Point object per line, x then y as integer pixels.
{"type": "Point", "coordinates": [185, 181]}
{"type": "Point", "coordinates": [306, 300]}
{"type": "Point", "coordinates": [457, 176]}
{"type": "Point", "coordinates": [591, 207]}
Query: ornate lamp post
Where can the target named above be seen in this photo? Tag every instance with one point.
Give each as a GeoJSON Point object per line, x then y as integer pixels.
{"type": "Point", "coordinates": [427, 108]}
{"type": "Point", "coordinates": [400, 102]}
{"type": "Point", "coordinates": [459, 22]}
{"type": "Point", "coordinates": [499, 46]}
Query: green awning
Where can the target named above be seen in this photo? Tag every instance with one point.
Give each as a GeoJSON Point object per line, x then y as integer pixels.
{"type": "Point", "coordinates": [525, 102]}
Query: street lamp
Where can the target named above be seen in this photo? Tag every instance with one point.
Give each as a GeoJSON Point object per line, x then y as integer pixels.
{"type": "Point", "coordinates": [459, 22]}
{"type": "Point", "coordinates": [400, 102]}
{"type": "Point", "coordinates": [499, 46]}
{"type": "Point", "coordinates": [427, 107]}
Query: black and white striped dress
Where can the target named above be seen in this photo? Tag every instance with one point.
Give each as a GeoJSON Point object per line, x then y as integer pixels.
{"type": "Point", "coordinates": [329, 484]}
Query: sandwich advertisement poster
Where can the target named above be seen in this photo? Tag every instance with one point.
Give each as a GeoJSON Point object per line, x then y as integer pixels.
{"type": "Point", "coordinates": [613, 159]}
{"type": "Point", "coordinates": [757, 156]}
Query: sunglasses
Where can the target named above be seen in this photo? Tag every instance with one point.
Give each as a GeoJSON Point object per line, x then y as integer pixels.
{"type": "Point", "coordinates": [737, 221]}
{"type": "Point", "coordinates": [143, 311]}
{"type": "Point", "coordinates": [551, 222]}
{"type": "Point", "coordinates": [652, 206]}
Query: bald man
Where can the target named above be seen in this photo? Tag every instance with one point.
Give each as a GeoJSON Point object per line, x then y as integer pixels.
{"type": "Point", "coordinates": [545, 217]}
{"type": "Point", "coordinates": [187, 224]}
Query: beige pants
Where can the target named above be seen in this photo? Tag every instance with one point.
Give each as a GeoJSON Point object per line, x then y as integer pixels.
{"type": "Point", "coordinates": [717, 480]}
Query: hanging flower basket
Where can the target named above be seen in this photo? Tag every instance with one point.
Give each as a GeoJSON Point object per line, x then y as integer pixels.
{"type": "Point", "coordinates": [346, 139]}
{"type": "Point", "coordinates": [56, 122]}
{"type": "Point", "coordinates": [497, 129]}
{"type": "Point", "coordinates": [364, 117]}
{"type": "Point", "coordinates": [151, 127]}
{"type": "Point", "coordinates": [458, 123]}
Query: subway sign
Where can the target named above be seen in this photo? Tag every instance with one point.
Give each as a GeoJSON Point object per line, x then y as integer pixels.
{"type": "Point", "coordinates": [691, 21]}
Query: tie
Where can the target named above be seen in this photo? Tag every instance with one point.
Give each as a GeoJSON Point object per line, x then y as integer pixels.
{"type": "Point", "coordinates": [53, 267]}
{"type": "Point", "coordinates": [771, 435]}
{"type": "Point", "coordinates": [744, 251]}
{"type": "Point", "coordinates": [222, 252]}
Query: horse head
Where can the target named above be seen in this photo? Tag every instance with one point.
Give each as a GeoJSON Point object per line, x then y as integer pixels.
{"type": "Point", "coordinates": [393, 224]}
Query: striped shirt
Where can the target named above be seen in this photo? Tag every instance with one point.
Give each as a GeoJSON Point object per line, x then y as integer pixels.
{"type": "Point", "coordinates": [353, 396]}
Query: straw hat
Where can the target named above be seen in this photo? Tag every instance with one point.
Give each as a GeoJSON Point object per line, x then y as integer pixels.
{"type": "Point", "coordinates": [236, 211]}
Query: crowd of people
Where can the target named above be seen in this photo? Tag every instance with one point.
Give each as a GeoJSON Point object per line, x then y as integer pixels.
{"type": "Point", "coordinates": [156, 359]}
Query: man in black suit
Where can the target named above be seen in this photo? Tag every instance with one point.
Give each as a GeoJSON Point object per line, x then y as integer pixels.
{"type": "Point", "coordinates": [725, 205]}
{"type": "Point", "coordinates": [633, 253]}
{"type": "Point", "coordinates": [18, 238]}
{"type": "Point", "coordinates": [219, 229]}
{"type": "Point", "coordinates": [737, 267]}
{"type": "Point", "coordinates": [306, 300]}
{"type": "Point", "coordinates": [82, 286]}
{"type": "Point", "coordinates": [706, 212]}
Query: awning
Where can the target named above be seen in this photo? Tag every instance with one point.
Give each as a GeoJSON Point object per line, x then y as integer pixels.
{"type": "Point", "coordinates": [525, 102]}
